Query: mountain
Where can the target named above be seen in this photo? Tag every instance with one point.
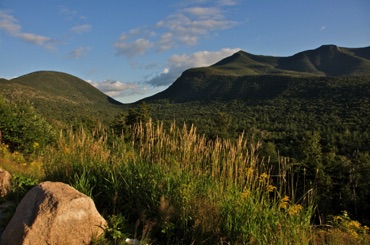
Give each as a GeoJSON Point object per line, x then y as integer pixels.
{"type": "Point", "coordinates": [247, 76]}
{"type": "Point", "coordinates": [329, 60]}
{"type": "Point", "coordinates": [60, 96]}
{"type": "Point", "coordinates": [242, 76]}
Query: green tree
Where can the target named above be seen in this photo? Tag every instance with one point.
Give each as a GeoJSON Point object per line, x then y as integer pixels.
{"type": "Point", "coordinates": [224, 126]}
{"type": "Point", "coordinates": [119, 124]}
{"type": "Point", "coordinates": [311, 153]}
{"type": "Point", "coordinates": [314, 171]}
{"type": "Point", "coordinates": [139, 114]}
{"type": "Point", "coordinates": [22, 128]}
{"type": "Point", "coordinates": [269, 152]}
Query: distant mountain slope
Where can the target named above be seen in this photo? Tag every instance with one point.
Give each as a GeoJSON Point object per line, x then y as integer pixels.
{"type": "Point", "coordinates": [329, 60]}
{"type": "Point", "coordinates": [241, 75]}
{"type": "Point", "coordinates": [62, 85]}
{"type": "Point", "coordinates": [60, 96]}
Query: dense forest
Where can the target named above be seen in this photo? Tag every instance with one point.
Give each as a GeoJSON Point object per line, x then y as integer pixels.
{"type": "Point", "coordinates": [321, 126]}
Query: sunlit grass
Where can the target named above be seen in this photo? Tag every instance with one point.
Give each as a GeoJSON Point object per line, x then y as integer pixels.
{"type": "Point", "coordinates": [16, 163]}
{"type": "Point", "coordinates": [176, 187]}
{"type": "Point", "coordinates": [179, 187]}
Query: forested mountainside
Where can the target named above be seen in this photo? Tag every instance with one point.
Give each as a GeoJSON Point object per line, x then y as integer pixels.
{"type": "Point", "coordinates": [60, 96]}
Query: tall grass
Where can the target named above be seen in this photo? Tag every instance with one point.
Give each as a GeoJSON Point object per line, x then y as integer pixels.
{"type": "Point", "coordinates": [174, 186]}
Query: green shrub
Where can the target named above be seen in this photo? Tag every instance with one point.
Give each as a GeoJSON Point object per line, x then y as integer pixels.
{"type": "Point", "coordinates": [22, 128]}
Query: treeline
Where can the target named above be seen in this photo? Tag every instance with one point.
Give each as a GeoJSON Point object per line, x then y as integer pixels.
{"type": "Point", "coordinates": [320, 127]}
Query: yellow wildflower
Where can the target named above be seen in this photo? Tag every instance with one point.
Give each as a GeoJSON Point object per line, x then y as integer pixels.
{"type": "Point", "coordinates": [355, 224]}
{"type": "Point", "coordinates": [263, 177]}
{"type": "Point", "coordinates": [271, 188]}
{"type": "Point", "coordinates": [245, 194]}
{"type": "Point", "coordinates": [250, 172]}
{"type": "Point", "coordinates": [36, 165]}
{"type": "Point", "coordinates": [294, 209]}
{"type": "Point", "coordinates": [337, 219]}
{"type": "Point", "coordinates": [35, 145]}
{"type": "Point", "coordinates": [18, 157]}
{"type": "Point", "coordinates": [284, 202]}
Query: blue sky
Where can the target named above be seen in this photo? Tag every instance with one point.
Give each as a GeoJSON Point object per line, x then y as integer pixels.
{"type": "Point", "coordinates": [135, 48]}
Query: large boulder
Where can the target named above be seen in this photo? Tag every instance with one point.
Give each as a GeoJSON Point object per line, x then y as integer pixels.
{"type": "Point", "coordinates": [5, 179]}
{"type": "Point", "coordinates": [54, 213]}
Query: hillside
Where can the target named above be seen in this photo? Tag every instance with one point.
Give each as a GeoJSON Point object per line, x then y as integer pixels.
{"type": "Point", "coordinates": [242, 75]}
{"type": "Point", "coordinates": [60, 96]}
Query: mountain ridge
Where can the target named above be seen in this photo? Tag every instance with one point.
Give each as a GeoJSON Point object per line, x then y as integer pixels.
{"type": "Point", "coordinates": [223, 76]}
{"type": "Point", "coordinates": [240, 76]}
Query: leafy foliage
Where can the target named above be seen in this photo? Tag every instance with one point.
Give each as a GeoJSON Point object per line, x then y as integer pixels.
{"type": "Point", "coordinates": [22, 128]}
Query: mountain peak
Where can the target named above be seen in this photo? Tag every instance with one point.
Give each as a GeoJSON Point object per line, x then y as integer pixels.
{"type": "Point", "coordinates": [225, 75]}
{"type": "Point", "coordinates": [328, 47]}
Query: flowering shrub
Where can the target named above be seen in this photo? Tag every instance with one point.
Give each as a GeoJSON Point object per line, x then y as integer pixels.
{"type": "Point", "coordinates": [352, 227]}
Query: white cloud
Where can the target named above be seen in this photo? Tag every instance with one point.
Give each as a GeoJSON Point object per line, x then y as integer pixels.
{"type": "Point", "coordinates": [116, 88]}
{"type": "Point", "coordinates": [34, 38]}
{"type": "Point", "coordinates": [11, 26]}
{"type": "Point", "coordinates": [228, 2]}
{"type": "Point", "coordinates": [125, 92]}
{"type": "Point", "coordinates": [9, 23]}
{"type": "Point", "coordinates": [201, 58]}
{"type": "Point", "coordinates": [139, 46]}
{"type": "Point", "coordinates": [322, 28]}
{"type": "Point", "coordinates": [186, 26]}
{"type": "Point", "coordinates": [166, 42]}
{"type": "Point", "coordinates": [179, 63]}
{"type": "Point", "coordinates": [191, 24]}
{"type": "Point", "coordinates": [202, 2]}
{"type": "Point", "coordinates": [203, 12]}
{"type": "Point", "coordinates": [166, 70]}
{"type": "Point", "coordinates": [81, 29]}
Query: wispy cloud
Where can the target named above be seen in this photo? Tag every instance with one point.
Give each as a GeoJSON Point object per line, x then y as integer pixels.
{"type": "Point", "coordinates": [190, 23]}
{"type": "Point", "coordinates": [178, 63]}
{"type": "Point", "coordinates": [228, 2]}
{"type": "Point", "coordinates": [70, 14]}
{"type": "Point", "coordinates": [204, 12]}
{"type": "Point", "coordinates": [323, 28]}
{"type": "Point", "coordinates": [10, 25]}
{"type": "Point", "coordinates": [130, 49]}
{"type": "Point", "coordinates": [81, 28]}
{"type": "Point", "coordinates": [79, 52]}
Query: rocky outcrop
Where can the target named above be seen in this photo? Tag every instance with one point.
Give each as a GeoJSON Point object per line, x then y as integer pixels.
{"type": "Point", "coordinates": [5, 179]}
{"type": "Point", "coordinates": [54, 213]}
